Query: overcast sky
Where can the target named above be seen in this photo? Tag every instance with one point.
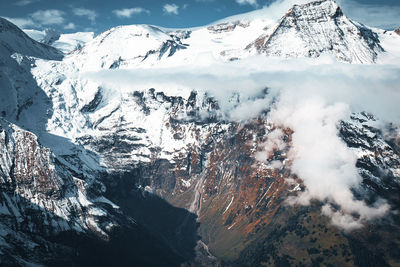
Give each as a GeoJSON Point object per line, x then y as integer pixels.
{"type": "Point", "coordinates": [99, 15]}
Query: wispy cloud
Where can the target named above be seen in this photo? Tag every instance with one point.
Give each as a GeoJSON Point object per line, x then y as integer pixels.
{"type": "Point", "coordinates": [48, 17]}
{"type": "Point", "coordinates": [41, 18]}
{"type": "Point", "coordinates": [84, 12]}
{"type": "Point", "coordinates": [128, 12]}
{"type": "Point", "coordinates": [69, 26]}
{"type": "Point", "coordinates": [247, 2]}
{"type": "Point", "coordinates": [25, 2]}
{"type": "Point", "coordinates": [171, 9]}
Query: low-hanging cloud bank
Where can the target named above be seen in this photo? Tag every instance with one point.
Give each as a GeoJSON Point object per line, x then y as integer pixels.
{"type": "Point", "coordinates": [308, 96]}
{"type": "Point", "coordinates": [370, 88]}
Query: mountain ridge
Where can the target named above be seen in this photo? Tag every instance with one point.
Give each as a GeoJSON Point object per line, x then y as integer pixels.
{"type": "Point", "coordinates": [360, 44]}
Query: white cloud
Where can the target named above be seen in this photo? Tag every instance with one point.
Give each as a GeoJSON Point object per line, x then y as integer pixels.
{"type": "Point", "coordinates": [242, 112]}
{"type": "Point", "coordinates": [25, 2]}
{"type": "Point", "coordinates": [42, 18]}
{"type": "Point", "coordinates": [69, 26]}
{"type": "Point", "coordinates": [171, 9]}
{"type": "Point", "coordinates": [84, 12]}
{"type": "Point", "coordinates": [337, 82]}
{"type": "Point", "coordinates": [247, 2]}
{"type": "Point", "coordinates": [128, 12]}
{"type": "Point", "coordinates": [311, 97]}
{"type": "Point", "coordinates": [21, 22]}
{"type": "Point", "coordinates": [273, 143]}
{"type": "Point", "coordinates": [322, 160]}
{"type": "Point", "coordinates": [48, 17]}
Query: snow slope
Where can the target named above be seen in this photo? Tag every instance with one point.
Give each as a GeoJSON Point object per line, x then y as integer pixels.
{"type": "Point", "coordinates": [17, 56]}
{"type": "Point", "coordinates": [126, 46]}
{"type": "Point", "coordinates": [66, 42]}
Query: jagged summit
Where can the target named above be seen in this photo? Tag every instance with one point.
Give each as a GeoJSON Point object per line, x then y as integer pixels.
{"type": "Point", "coordinates": [319, 27]}
{"type": "Point", "coordinates": [329, 7]}
{"type": "Point", "coordinates": [397, 31]}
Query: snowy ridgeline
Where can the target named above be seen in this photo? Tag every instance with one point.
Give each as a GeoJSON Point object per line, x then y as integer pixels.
{"type": "Point", "coordinates": [311, 30]}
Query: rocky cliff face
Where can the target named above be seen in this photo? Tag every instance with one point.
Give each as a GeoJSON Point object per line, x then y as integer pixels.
{"type": "Point", "coordinates": [295, 235]}
{"type": "Point", "coordinates": [55, 215]}
{"type": "Point", "coordinates": [94, 175]}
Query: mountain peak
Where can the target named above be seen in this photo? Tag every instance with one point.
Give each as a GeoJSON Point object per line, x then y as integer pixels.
{"type": "Point", "coordinates": [109, 49]}
{"type": "Point", "coordinates": [326, 8]}
{"type": "Point", "coordinates": [318, 27]}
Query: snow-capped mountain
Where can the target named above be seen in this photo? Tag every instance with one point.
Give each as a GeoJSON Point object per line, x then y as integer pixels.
{"type": "Point", "coordinates": [144, 43]}
{"type": "Point", "coordinates": [89, 167]}
{"type": "Point", "coordinates": [309, 30]}
{"type": "Point", "coordinates": [316, 28]}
